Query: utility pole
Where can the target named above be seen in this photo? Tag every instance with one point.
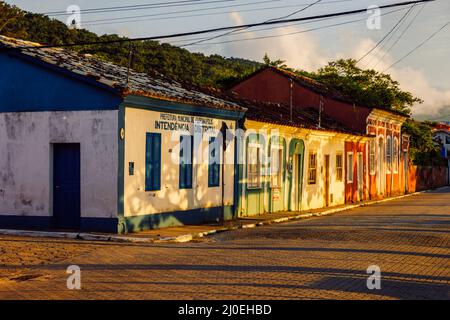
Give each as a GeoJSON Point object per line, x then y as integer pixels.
{"type": "Point", "coordinates": [320, 110]}
{"type": "Point", "coordinates": [290, 95]}
{"type": "Point", "coordinates": [130, 57]}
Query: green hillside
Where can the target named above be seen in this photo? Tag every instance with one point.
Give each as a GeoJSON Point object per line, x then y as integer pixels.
{"type": "Point", "coordinates": [175, 62]}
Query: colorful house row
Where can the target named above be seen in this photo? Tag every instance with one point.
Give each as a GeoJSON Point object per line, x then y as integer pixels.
{"type": "Point", "coordinates": [291, 164]}
{"type": "Point", "coordinates": [381, 161]}
{"type": "Point", "coordinates": [88, 145]}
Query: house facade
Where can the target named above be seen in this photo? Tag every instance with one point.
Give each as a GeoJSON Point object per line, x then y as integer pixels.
{"type": "Point", "coordinates": [379, 165]}
{"type": "Point", "coordinates": [87, 145]}
{"type": "Point", "coordinates": [292, 164]}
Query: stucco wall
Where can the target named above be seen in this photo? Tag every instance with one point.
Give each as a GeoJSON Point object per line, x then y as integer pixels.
{"type": "Point", "coordinates": [170, 198]}
{"type": "Point", "coordinates": [314, 194]}
{"type": "Point", "coordinates": [26, 160]}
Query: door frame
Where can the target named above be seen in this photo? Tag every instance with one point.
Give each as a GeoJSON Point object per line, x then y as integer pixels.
{"type": "Point", "coordinates": [327, 178]}
{"type": "Point", "coordinates": [360, 175]}
{"type": "Point", "coordinates": [296, 147]}
{"type": "Point", "coordinates": [54, 222]}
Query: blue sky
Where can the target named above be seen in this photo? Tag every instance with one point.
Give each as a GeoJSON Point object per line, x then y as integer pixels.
{"type": "Point", "coordinates": [425, 73]}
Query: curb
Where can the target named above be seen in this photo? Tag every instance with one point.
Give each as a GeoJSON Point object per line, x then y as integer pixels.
{"type": "Point", "coordinates": [191, 236]}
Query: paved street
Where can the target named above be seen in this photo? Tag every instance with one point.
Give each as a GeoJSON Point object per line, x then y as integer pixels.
{"type": "Point", "coordinates": [318, 258]}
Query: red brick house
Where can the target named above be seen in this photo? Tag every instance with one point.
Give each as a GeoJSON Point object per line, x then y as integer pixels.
{"type": "Point", "coordinates": [374, 169]}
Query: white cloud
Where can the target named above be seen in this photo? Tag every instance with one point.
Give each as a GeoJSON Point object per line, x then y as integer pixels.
{"type": "Point", "coordinates": [299, 51]}
{"type": "Point", "coordinates": [305, 51]}
{"type": "Point", "coordinates": [436, 101]}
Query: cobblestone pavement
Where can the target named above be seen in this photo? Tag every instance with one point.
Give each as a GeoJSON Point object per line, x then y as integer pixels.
{"type": "Point", "coordinates": [318, 258]}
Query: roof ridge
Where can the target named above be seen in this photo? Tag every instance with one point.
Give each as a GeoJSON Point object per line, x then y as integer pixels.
{"type": "Point", "coordinates": [115, 76]}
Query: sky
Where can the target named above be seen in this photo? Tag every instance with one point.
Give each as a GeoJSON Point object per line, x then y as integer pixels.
{"type": "Point", "coordinates": [425, 73]}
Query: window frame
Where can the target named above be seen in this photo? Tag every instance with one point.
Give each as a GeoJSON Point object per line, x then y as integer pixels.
{"type": "Point", "coordinates": [152, 162]}
{"type": "Point", "coordinates": [278, 175]}
{"type": "Point", "coordinates": [185, 169]}
{"type": "Point", "coordinates": [312, 169]}
{"type": "Point", "coordinates": [372, 157]}
{"type": "Point", "coordinates": [350, 167]}
{"type": "Point", "coordinates": [339, 169]}
{"type": "Point", "coordinates": [395, 155]}
{"type": "Point", "coordinates": [213, 167]}
{"type": "Point", "coordinates": [388, 154]}
{"type": "Point", "coordinates": [250, 184]}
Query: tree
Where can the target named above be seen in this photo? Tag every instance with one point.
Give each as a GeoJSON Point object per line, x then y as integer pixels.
{"type": "Point", "coordinates": [366, 87]}
{"type": "Point", "coordinates": [423, 149]}
{"type": "Point", "coordinates": [275, 63]}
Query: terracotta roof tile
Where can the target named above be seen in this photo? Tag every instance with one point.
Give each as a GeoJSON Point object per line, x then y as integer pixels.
{"type": "Point", "coordinates": [114, 76]}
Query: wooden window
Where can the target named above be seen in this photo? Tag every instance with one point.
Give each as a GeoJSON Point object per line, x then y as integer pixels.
{"type": "Point", "coordinates": [339, 167]}
{"type": "Point", "coordinates": [276, 166]}
{"type": "Point", "coordinates": [312, 168]}
{"type": "Point", "coordinates": [349, 167]}
{"type": "Point", "coordinates": [395, 155]}
{"type": "Point", "coordinates": [389, 153]}
{"type": "Point", "coordinates": [186, 157]}
{"type": "Point", "coordinates": [214, 163]}
{"type": "Point", "coordinates": [372, 157]}
{"type": "Point", "coordinates": [254, 167]}
{"type": "Point", "coordinates": [153, 162]}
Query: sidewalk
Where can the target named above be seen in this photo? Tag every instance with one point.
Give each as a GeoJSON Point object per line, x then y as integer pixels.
{"type": "Point", "coordinates": [191, 232]}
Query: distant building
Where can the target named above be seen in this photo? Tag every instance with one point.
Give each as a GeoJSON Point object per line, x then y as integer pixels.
{"type": "Point", "coordinates": [441, 134]}
{"type": "Point", "coordinates": [86, 145]}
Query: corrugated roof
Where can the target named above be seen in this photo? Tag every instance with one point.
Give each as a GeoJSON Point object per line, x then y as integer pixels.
{"type": "Point", "coordinates": [280, 114]}
{"type": "Point", "coordinates": [114, 76]}
{"type": "Point", "coordinates": [319, 88]}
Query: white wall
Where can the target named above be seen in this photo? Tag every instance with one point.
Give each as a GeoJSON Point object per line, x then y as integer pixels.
{"type": "Point", "coordinates": [313, 194]}
{"type": "Point", "coordinates": [26, 160]}
{"type": "Point", "coordinates": [170, 198]}
{"type": "Point", "coordinates": [321, 142]}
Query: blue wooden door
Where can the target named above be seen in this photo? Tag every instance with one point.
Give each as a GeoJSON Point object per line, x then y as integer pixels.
{"type": "Point", "coordinates": [66, 186]}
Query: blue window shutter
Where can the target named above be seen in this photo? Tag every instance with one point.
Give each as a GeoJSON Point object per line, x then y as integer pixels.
{"type": "Point", "coordinates": [153, 162]}
{"type": "Point", "coordinates": [182, 163]}
{"type": "Point", "coordinates": [157, 161]}
{"type": "Point", "coordinates": [190, 164]}
{"type": "Point", "coordinates": [186, 159]}
{"type": "Point", "coordinates": [213, 163]}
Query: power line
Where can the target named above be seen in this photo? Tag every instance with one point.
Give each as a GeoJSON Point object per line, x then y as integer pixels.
{"type": "Point", "coordinates": [204, 31]}
{"type": "Point", "coordinates": [136, 7]}
{"type": "Point", "coordinates": [233, 31]}
{"type": "Point", "coordinates": [385, 36]}
{"type": "Point", "coordinates": [202, 14]}
{"type": "Point", "coordinates": [418, 46]}
{"type": "Point", "coordinates": [109, 20]}
{"type": "Point", "coordinates": [132, 18]}
{"type": "Point", "coordinates": [262, 29]}
{"type": "Point", "coordinates": [401, 35]}
{"type": "Point", "coordinates": [388, 39]}
{"type": "Point", "coordinates": [297, 32]}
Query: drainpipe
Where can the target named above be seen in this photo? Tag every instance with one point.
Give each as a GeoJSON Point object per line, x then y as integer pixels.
{"type": "Point", "coordinates": [320, 110]}
{"type": "Point", "coordinates": [290, 96]}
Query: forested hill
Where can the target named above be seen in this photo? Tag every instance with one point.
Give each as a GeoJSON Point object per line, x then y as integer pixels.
{"type": "Point", "coordinates": [175, 62]}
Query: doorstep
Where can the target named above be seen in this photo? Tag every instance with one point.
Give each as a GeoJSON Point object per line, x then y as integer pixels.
{"type": "Point", "coordinates": [189, 233]}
